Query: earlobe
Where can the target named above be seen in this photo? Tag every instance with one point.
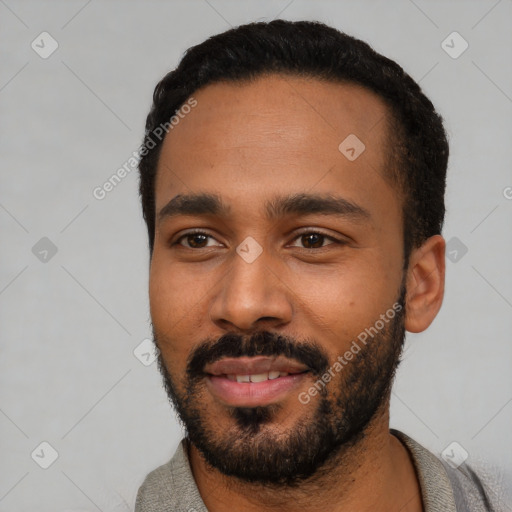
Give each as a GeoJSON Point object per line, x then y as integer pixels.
{"type": "Point", "coordinates": [425, 284]}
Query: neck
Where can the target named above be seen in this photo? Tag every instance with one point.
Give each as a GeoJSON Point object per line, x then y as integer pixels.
{"type": "Point", "coordinates": [375, 473]}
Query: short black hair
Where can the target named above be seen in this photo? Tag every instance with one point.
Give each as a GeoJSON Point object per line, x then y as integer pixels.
{"type": "Point", "coordinates": [418, 159]}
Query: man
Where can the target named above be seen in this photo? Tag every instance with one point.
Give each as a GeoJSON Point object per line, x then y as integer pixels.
{"type": "Point", "coordinates": [292, 182]}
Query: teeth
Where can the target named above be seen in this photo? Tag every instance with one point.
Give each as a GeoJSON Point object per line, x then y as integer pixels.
{"type": "Point", "coordinates": [257, 377]}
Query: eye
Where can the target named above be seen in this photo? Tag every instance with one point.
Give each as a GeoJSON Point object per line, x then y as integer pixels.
{"type": "Point", "coordinates": [195, 240]}
{"type": "Point", "coordinates": [308, 239]}
{"type": "Point", "coordinates": [314, 239]}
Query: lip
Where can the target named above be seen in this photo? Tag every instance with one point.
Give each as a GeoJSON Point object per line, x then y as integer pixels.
{"type": "Point", "coordinates": [253, 394]}
{"type": "Point", "coordinates": [252, 365]}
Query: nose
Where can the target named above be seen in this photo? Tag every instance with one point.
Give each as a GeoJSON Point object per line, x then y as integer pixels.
{"type": "Point", "coordinates": [250, 296]}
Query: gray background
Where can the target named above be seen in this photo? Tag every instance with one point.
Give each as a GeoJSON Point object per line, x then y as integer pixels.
{"type": "Point", "coordinates": [70, 322]}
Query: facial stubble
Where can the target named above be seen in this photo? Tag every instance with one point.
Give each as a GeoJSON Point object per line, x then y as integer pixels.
{"type": "Point", "coordinates": [254, 449]}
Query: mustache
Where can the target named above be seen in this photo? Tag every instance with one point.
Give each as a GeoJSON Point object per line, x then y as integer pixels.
{"type": "Point", "coordinates": [262, 343]}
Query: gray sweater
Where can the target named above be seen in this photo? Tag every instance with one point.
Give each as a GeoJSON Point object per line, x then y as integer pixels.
{"type": "Point", "coordinates": [172, 488]}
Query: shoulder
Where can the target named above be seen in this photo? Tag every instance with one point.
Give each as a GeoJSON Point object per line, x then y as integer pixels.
{"type": "Point", "coordinates": [170, 486]}
{"type": "Point", "coordinates": [477, 487]}
{"type": "Point", "coordinates": [462, 489]}
{"type": "Point", "coordinates": [156, 492]}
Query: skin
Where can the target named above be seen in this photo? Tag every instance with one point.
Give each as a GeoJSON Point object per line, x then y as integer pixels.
{"type": "Point", "coordinates": [249, 143]}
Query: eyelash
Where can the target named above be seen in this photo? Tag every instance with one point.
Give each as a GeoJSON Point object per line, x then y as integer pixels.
{"type": "Point", "coordinates": [302, 233]}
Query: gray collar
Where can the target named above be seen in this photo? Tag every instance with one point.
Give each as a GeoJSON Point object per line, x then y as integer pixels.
{"type": "Point", "coordinates": [436, 487]}
{"type": "Point", "coordinates": [172, 485]}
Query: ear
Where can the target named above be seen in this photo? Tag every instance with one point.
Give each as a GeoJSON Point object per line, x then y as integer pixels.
{"type": "Point", "coordinates": [425, 284]}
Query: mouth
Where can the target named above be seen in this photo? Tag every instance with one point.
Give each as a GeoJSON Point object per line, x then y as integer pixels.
{"type": "Point", "coordinates": [257, 377]}
{"type": "Point", "coordinates": [255, 381]}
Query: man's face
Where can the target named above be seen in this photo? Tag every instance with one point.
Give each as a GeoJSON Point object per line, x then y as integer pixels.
{"type": "Point", "coordinates": [273, 282]}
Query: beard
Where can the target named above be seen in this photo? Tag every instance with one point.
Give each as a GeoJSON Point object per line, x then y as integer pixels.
{"type": "Point", "coordinates": [254, 449]}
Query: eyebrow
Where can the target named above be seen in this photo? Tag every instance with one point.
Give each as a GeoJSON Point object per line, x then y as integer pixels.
{"type": "Point", "coordinates": [281, 206]}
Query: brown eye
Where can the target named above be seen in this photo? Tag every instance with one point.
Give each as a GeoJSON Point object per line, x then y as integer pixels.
{"type": "Point", "coordinates": [314, 240]}
{"type": "Point", "coordinates": [195, 240]}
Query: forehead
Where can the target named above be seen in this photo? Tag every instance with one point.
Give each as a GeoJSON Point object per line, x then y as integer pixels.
{"type": "Point", "coordinates": [276, 132]}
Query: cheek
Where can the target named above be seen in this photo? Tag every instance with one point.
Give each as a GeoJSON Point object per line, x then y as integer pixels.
{"type": "Point", "coordinates": [336, 304]}
{"type": "Point", "coordinates": [179, 306]}
{"type": "Point", "coordinates": [172, 302]}
{"type": "Point", "coordinates": [173, 292]}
